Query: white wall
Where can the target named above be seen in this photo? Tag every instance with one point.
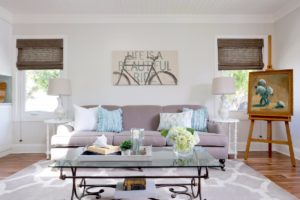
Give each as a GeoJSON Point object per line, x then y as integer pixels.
{"type": "Point", "coordinates": [5, 48]}
{"type": "Point", "coordinates": [287, 55]}
{"type": "Point", "coordinates": [89, 49]}
{"type": "Point", "coordinates": [5, 69]}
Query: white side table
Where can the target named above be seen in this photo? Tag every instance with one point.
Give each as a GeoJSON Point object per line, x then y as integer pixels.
{"type": "Point", "coordinates": [231, 126]}
{"type": "Point", "coordinates": [51, 130]}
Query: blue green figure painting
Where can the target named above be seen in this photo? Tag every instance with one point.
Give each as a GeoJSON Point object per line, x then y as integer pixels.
{"type": "Point", "coordinates": [271, 92]}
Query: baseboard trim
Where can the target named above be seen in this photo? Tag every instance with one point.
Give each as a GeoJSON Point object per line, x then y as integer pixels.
{"type": "Point", "coordinates": [264, 147]}
{"type": "Point", "coordinates": [285, 150]}
{"type": "Point", "coordinates": [5, 150]}
{"type": "Point", "coordinates": [28, 148]}
{"type": "Point", "coordinates": [241, 146]}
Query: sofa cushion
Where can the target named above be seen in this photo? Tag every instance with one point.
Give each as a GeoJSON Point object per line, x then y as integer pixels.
{"type": "Point", "coordinates": [85, 118]}
{"type": "Point", "coordinates": [146, 117]}
{"type": "Point", "coordinates": [150, 138]}
{"type": "Point", "coordinates": [80, 138]}
{"type": "Point", "coordinates": [199, 119]}
{"type": "Point", "coordinates": [212, 139]}
{"type": "Point", "coordinates": [169, 120]}
{"type": "Point", "coordinates": [109, 120]}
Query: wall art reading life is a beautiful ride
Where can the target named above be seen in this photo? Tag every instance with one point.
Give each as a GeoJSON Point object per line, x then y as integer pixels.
{"type": "Point", "coordinates": [145, 67]}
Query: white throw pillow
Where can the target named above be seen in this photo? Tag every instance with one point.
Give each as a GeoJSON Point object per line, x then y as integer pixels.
{"type": "Point", "coordinates": [85, 118]}
{"type": "Point", "coordinates": [169, 120]}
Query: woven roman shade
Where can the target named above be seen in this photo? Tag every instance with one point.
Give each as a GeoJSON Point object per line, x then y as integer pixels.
{"type": "Point", "coordinates": [40, 54]}
{"type": "Point", "coordinates": [240, 54]}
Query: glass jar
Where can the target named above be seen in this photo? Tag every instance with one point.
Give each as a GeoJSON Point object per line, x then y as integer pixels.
{"type": "Point", "coordinates": [137, 137]}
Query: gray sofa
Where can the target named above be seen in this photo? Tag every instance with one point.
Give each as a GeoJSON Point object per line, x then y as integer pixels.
{"type": "Point", "coordinates": [138, 116]}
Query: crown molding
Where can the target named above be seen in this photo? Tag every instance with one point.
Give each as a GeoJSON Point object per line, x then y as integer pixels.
{"type": "Point", "coordinates": [284, 11]}
{"type": "Point", "coordinates": [98, 18]}
{"type": "Point", "coordinates": [85, 19]}
{"type": "Point", "coordinates": [6, 15]}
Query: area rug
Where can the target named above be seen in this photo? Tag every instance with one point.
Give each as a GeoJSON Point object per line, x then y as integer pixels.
{"type": "Point", "coordinates": [238, 182]}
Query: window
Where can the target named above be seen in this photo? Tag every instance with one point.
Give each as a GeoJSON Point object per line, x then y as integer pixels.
{"type": "Point", "coordinates": [36, 86]}
{"type": "Point", "coordinates": [38, 61]}
{"type": "Point", "coordinates": [236, 58]}
{"type": "Point", "coordinates": [239, 101]}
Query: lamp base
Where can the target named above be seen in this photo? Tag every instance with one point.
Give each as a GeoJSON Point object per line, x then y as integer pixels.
{"type": "Point", "coordinates": [60, 111]}
{"type": "Point", "coordinates": [223, 111]}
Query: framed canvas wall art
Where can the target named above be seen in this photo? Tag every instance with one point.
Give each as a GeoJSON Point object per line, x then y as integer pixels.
{"type": "Point", "coordinates": [141, 67]}
{"type": "Point", "coordinates": [271, 93]}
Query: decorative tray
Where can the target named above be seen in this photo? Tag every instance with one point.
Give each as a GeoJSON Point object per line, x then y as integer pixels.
{"type": "Point", "coordinates": [87, 156]}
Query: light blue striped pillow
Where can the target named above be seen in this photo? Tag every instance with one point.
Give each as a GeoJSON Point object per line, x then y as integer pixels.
{"type": "Point", "coordinates": [109, 121]}
{"type": "Point", "coordinates": [199, 119]}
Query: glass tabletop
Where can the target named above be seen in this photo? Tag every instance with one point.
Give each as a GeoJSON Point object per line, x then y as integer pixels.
{"type": "Point", "coordinates": [162, 157]}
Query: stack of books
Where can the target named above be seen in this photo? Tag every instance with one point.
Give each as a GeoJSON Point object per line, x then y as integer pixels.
{"type": "Point", "coordinates": [134, 184]}
{"type": "Point", "coordinates": [149, 193]}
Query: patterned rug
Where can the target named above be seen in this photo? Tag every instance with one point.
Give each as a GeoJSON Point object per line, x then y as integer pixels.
{"type": "Point", "coordinates": [238, 182]}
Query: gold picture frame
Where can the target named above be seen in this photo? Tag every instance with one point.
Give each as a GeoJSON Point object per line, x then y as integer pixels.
{"type": "Point", "coordinates": [2, 92]}
{"type": "Point", "coordinates": [270, 93]}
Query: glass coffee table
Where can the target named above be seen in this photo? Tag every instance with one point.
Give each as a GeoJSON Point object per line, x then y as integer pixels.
{"type": "Point", "coordinates": [162, 157]}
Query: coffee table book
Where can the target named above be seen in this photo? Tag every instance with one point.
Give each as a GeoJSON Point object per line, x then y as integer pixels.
{"type": "Point", "coordinates": [149, 192]}
{"type": "Point", "coordinates": [100, 150]}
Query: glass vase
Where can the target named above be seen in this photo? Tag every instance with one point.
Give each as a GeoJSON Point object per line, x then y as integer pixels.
{"type": "Point", "coordinates": [183, 152]}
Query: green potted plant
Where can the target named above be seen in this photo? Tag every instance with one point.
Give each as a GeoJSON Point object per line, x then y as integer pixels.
{"type": "Point", "coordinates": [126, 147]}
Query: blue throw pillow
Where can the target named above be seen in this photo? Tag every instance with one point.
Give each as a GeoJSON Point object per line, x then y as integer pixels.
{"type": "Point", "coordinates": [199, 119]}
{"type": "Point", "coordinates": [109, 121]}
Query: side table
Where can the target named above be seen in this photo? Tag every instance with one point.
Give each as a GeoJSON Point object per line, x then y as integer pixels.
{"type": "Point", "coordinates": [231, 126]}
{"type": "Point", "coordinates": [51, 130]}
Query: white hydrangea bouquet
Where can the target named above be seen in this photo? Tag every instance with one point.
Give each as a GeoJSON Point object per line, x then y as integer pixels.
{"type": "Point", "coordinates": [183, 139]}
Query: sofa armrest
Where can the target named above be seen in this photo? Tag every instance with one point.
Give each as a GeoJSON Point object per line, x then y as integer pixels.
{"type": "Point", "coordinates": [213, 127]}
{"type": "Point", "coordinates": [65, 129]}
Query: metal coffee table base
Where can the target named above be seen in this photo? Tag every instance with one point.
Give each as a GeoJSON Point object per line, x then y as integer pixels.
{"type": "Point", "coordinates": [175, 189]}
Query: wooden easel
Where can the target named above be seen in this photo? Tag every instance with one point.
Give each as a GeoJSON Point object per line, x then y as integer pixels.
{"type": "Point", "coordinates": [269, 120]}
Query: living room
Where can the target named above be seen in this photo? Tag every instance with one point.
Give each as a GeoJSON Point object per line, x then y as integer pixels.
{"type": "Point", "coordinates": [93, 38]}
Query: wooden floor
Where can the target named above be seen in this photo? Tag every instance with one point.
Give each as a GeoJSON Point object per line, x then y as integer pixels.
{"type": "Point", "coordinates": [14, 162]}
{"type": "Point", "coordinates": [278, 169]}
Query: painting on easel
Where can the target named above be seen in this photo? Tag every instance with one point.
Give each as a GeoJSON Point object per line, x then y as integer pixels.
{"type": "Point", "coordinates": [5, 89]}
{"type": "Point", "coordinates": [271, 93]}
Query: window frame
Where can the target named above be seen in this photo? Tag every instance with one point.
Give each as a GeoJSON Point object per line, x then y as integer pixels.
{"type": "Point", "coordinates": [19, 85]}
{"type": "Point", "coordinates": [242, 115]}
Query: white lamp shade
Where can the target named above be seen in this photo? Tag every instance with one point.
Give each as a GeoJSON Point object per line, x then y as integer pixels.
{"type": "Point", "coordinates": [223, 85]}
{"type": "Point", "coordinates": [59, 86]}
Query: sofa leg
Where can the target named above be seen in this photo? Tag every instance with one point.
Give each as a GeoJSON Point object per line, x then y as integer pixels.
{"type": "Point", "coordinates": [222, 161]}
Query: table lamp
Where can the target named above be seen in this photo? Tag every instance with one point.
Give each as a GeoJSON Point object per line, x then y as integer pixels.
{"type": "Point", "coordinates": [223, 86]}
{"type": "Point", "coordinates": [59, 87]}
